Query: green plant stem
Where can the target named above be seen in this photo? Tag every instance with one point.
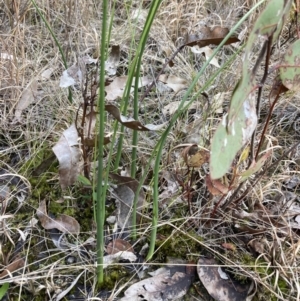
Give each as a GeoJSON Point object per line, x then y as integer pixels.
{"type": "Point", "coordinates": [101, 189]}
{"type": "Point", "coordinates": [56, 42]}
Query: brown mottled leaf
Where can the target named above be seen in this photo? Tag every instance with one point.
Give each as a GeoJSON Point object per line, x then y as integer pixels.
{"type": "Point", "coordinates": [218, 283]}
{"type": "Point", "coordinates": [166, 284]}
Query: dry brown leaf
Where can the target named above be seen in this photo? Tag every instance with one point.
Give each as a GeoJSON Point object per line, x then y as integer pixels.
{"type": "Point", "coordinates": [63, 223]}
{"type": "Point", "coordinates": [119, 245]}
{"type": "Point", "coordinates": [15, 265]}
{"type": "Point", "coordinates": [208, 36]}
{"type": "Point", "coordinates": [215, 187]}
{"type": "Point", "coordinates": [28, 96]}
{"type": "Point", "coordinates": [68, 154]}
{"type": "Point", "coordinates": [130, 122]}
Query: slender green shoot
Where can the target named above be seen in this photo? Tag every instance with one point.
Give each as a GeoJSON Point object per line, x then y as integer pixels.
{"type": "Point", "coordinates": [101, 189]}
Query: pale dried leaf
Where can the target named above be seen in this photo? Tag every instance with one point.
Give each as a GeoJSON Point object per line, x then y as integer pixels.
{"type": "Point", "coordinates": [68, 154]}
{"type": "Point", "coordinates": [112, 258]}
{"type": "Point", "coordinates": [174, 82]}
{"type": "Point", "coordinates": [208, 52]}
{"type": "Point", "coordinates": [28, 96]}
{"type": "Point", "coordinates": [63, 223]}
{"type": "Point", "coordinates": [46, 74]}
{"type": "Point", "coordinates": [76, 73]}
{"type": "Point", "coordinates": [116, 88]}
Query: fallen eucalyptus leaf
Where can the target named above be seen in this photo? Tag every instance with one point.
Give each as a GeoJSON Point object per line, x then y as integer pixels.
{"type": "Point", "coordinates": [68, 154]}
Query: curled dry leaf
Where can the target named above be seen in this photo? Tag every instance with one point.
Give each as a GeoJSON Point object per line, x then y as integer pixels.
{"type": "Point", "coordinates": [174, 82]}
{"type": "Point", "coordinates": [119, 245]}
{"type": "Point", "coordinates": [219, 286]}
{"type": "Point", "coordinates": [125, 192]}
{"type": "Point", "coordinates": [63, 223]}
{"type": "Point", "coordinates": [112, 63]}
{"type": "Point", "coordinates": [130, 122]}
{"type": "Point", "coordinates": [68, 154]}
{"type": "Point", "coordinates": [209, 36]}
{"type": "Point", "coordinates": [28, 96]}
{"type": "Point", "coordinates": [215, 187]}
